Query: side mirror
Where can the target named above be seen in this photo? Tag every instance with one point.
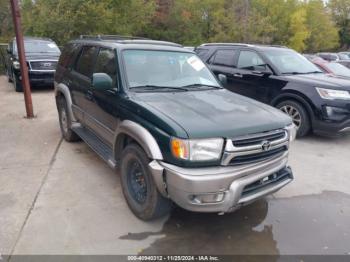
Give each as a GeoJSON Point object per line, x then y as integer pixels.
{"type": "Point", "coordinates": [262, 70]}
{"type": "Point", "coordinates": [8, 50]}
{"type": "Point", "coordinates": [222, 79]}
{"type": "Point", "coordinates": [102, 81]}
{"type": "Point", "coordinates": [262, 73]}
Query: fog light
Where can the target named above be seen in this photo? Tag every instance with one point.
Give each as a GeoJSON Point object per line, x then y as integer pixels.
{"type": "Point", "coordinates": [208, 198]}
{"type": "Point", "coordinates": [336, 113]}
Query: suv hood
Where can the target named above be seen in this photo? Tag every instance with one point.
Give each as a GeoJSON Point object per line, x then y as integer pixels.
{"type": "Point", "coordinates": [321, 80]}
{"type": "Point", "coordinates": [41, 56]}
{"type": "Point", "coordinates": [216, 113]}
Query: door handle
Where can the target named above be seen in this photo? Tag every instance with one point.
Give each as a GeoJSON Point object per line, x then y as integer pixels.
{"type": "Point", "coordinates": [238, 75]}
{"type": "Point", "coordinates": [89, 95]}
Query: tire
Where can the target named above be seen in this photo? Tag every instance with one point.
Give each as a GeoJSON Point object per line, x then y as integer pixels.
{"type": "Point", "coordinates": [139, 189]}
{"type": "Point", "coordinates": [16, 83]}
{"type": "Point", "coordinates": [299, 115]}
{"type": "Point", "coordinates": [65, 121]}
{"type": "Point", "coordinates": [9, 79]}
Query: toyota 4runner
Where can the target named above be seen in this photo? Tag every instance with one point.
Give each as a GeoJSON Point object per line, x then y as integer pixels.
{"type": "Point", "coordinates": [155, 111]}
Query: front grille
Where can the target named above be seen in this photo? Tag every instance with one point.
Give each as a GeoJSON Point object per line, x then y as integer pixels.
{"type": "Point", "coordinates": [270, 180]}
{"type": "Point", "coordinates": [253, 158]}
{"type": "Point", "coordinates": [43, 65]}
{"type": "Point", "coordinates": [255, 148]}
{"type": "Point", "coordinates": [258, 139]}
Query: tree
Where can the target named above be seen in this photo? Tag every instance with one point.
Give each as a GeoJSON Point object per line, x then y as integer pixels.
{"type": "Point", "coordinates": [341, 13]}
{"type": "Point", "coordinates": [6, 28]}
{"type": "Point", "coordinates": [63, 20]}
{"type": "Point", "coordinates": [298, 29]}
{"type": "Point", "coordinates": [323, 32]}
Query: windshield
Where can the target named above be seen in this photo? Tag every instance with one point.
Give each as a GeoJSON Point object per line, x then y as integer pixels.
{"type": "Point", "coordinates": [291, 62]}
{"type": "Point", "coordinates": [145, 68]}
{"type": "Point", "coordinates": [339, 69]}
{"type": "Point", "coordinates": [39, 47]}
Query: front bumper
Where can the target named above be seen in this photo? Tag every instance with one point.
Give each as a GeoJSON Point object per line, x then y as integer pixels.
{"type": "Point", "coordinates": [39, 78]}
{"type": "Point", "coordinates": [331, 128]}
{"type": "Point", "coordinates": [226, 186]}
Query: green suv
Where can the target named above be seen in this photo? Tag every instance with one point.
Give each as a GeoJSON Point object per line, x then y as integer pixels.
{"type": "Point", "coordinates": [154, 111]}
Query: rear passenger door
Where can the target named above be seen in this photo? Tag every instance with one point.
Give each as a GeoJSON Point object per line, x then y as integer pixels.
{"type": "Point", "coordinates": [223, 61]}
{"type": "Point", "coordinates": [81, 79]}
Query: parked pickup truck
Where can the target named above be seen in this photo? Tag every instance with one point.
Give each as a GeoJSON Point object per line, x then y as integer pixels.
{"type": "Point", "coordinates": [154, 110]}
{"type": "Point", "coordinates": [41, 56]}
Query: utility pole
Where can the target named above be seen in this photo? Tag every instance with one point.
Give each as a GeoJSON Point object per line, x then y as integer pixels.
{"type": "Point", "coordinates": [16, 15]}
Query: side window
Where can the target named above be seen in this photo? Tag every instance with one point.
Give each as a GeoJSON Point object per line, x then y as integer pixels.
{"type": "Point", "coordinates": [224, 58]}
{"type": "Point", "coordinates": [86, 61]}
{"type": "Point", "coordinates": [68, 54]}
{"type": "Point", "coordinates": [201, 52]}
{"type": "Point", "coordinates": [106, 63]}
{"type": "Point", "coordinates": [250, 60]}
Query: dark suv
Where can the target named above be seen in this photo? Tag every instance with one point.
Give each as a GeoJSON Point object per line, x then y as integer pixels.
{"type": "Point", "coordinates": [285, 79]}
{"type": "Point", "coordinates": [41, 55]}
{"type": "Point", "coordinates": [154, 110]}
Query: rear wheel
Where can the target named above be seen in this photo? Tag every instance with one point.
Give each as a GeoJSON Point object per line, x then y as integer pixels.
{"type": "Point", "coordinates": [139, 189]}
{"type": "Point", "coordinates": [298, 114]}
{"type": "Point", "coordinates": [65, 121]}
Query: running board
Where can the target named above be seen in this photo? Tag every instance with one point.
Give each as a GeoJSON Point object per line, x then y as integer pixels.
{"type": "Point", "coordinates": [96, 144]}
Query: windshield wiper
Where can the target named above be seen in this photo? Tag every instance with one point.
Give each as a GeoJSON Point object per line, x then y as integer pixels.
{"type": "Point", "coordinates": [301, 73]}
{"type": "Point", "coordinates": [315, 72]}
{"type": "Point", "coordinates": [155, 87]}
{"type": "Point", "coordinates": [200, 85]}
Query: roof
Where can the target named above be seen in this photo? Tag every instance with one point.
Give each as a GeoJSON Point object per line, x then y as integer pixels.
{"type": "Point", "coordinates": [127, 42]}
{"type": "Point", "coordinates": [34, 38]}
{"type": "Point", "coordinates": [242, 44]}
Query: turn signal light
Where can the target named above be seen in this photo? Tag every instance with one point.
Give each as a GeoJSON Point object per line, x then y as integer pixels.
{"type": "Point", "coordinates": [179, 148]}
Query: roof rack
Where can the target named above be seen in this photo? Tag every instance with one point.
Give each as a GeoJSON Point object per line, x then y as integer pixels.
{"type": "Point", "coordinates": [281, 46]}
{"type": "Point", "coordinates": [226, 44]}
{"type": "Point", "coordinates": [111, 37]}
{"type": "Point", "coordinates": [36, 38]}
{"type": "Point", "coordinates": [241, 44]}
{"type": "Point", "coordinates": [128, 40]}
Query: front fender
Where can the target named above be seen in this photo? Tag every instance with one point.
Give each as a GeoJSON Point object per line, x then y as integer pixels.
{"type": "Point", "coordinates": [141, 135]}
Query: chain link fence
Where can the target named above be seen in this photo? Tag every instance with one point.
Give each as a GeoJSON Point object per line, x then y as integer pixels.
{"type": "Point", "coordinates": [3, 48]}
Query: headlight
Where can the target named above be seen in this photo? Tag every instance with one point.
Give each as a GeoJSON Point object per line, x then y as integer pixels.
{"type": "Point", "coordinates": [16, 65]}
{"type": "Point", "coordinates": [332, 94]}
{"type": "Point", "coordinates": [292, 131]}
{"type": "Point", "coordinates": [197, 149]}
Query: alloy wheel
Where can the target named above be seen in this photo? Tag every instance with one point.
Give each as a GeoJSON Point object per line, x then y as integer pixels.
{"type": "Point", "coordinates": [293, 113]}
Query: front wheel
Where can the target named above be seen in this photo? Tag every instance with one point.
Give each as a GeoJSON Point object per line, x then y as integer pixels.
{"type": "Point", "coordinates": [298, 114]}
{"type": "Point", "coordinates": [139, 189]}
{"type": "Point", "coordinates": [17, 83]}
{"type": "Point", "coordinates": [9, 79]}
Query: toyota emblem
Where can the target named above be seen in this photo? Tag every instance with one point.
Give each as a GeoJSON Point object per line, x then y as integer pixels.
{"type": "Point", "coordinates": [46, 64]}
{"type": "Point", "coordinates": [265, 145]}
